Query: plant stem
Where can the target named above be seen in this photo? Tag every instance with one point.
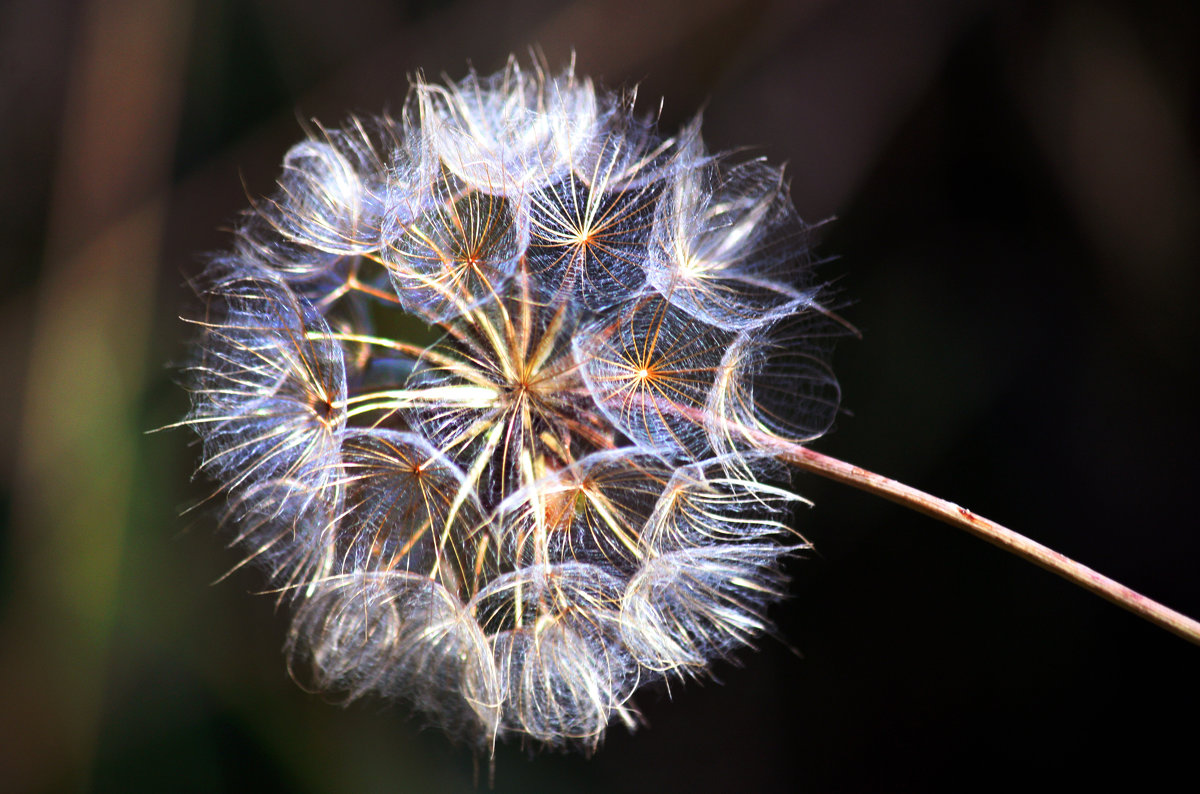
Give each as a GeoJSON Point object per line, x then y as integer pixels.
{"type": "Point", "coordinates": [802, 457]}
{"type": "Point", "coordinates": [943, 510]}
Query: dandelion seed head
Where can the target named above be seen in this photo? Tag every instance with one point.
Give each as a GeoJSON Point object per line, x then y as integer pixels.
{"type": "Point", "coordinates": [568, 494]}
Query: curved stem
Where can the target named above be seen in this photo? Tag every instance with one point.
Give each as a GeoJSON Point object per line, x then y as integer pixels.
{"type": "Point", "coordinates": [943, 510]}
{"type": "Point", "coordinates": [802, 457]}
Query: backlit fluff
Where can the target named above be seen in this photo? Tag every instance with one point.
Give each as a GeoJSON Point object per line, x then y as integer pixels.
{"type": "Point", "coordinates": [490, 390]}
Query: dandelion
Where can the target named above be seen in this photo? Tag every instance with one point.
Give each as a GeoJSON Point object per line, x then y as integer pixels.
{"type": "Point", "coordinates": [577, 488]}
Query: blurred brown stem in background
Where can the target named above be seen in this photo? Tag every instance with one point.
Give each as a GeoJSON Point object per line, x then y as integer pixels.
{"type": "Point", "coordinates": [77, 464]}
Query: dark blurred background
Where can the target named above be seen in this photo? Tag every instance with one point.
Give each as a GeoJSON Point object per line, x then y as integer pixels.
{"type": "Point", "coordinates": [1017, 196]}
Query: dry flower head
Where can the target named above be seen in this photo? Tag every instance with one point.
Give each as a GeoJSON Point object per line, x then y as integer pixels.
{"type": "Point", "coordinates": [489, 392]}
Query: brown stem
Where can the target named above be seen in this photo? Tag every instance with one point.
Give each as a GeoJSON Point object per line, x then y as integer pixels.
{"type": "Point", "coordinates": [810, 460]}
{"type": "Point", "coordinates": [1069, 569]}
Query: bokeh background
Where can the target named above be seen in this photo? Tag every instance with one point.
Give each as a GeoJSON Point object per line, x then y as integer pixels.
{"type": "Point", "coordinates": [1017, 196]}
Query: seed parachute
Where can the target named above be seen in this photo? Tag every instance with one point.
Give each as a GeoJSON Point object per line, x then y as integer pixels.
{"type": "Point", "coordinates": [489, 392]}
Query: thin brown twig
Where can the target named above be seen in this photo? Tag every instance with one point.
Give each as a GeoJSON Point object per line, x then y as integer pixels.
{"type": "Point", "coordinates": [802, 457]}
{"type": "Point", "coordinates": [943, 510]}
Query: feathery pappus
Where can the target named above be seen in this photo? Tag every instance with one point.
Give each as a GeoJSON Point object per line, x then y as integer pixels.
{"type": "Point", "coordinates": [489, 391]}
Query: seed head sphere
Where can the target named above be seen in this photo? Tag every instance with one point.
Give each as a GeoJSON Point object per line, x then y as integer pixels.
{"type": "Point", "coordinates": [489, 391]}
